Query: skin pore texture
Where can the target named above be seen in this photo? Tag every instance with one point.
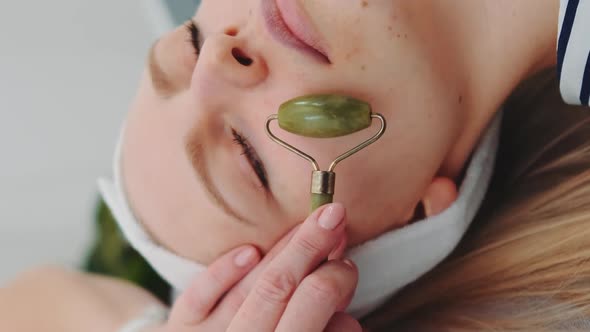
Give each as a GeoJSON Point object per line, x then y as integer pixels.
{"type": "Point", "coordinates": [437, 70]}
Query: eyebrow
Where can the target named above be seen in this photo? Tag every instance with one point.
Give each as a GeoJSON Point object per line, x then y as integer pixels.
{"type": "Point", "coordinates": [194, 151]}
{"type": "Point", "coordinates": [160, 79]}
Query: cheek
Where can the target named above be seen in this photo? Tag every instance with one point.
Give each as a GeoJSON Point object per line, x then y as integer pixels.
{"type": "Point", "coordinates": [382, 184]}
{"type": "Point", "coordinates": [290, 179]}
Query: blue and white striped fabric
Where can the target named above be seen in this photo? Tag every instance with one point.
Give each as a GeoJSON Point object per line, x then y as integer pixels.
{"type": "Point", "coordinates": [573, 51]}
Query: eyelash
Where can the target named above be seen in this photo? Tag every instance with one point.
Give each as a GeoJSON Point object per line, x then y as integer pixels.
{"type": "Point", "coordinates": [242, 141]}
{"type": "Point", "coordinates": [194, 36]}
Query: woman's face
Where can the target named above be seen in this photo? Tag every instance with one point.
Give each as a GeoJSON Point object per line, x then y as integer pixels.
{"type": "Point", "coordinates": [199, 170]}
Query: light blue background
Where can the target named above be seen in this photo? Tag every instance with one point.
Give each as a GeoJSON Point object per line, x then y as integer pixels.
{"type": "Point", "coordinates": [182, 10]}
{"type": "Point", "coordinates": [66, 83]}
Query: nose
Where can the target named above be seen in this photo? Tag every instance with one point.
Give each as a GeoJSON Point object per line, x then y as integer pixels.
{"type": "Point", "coordinates": [227, 60]}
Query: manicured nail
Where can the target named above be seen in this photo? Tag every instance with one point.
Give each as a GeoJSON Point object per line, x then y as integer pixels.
{"type": "Point", "coordinates": [245, 257]}
{"type": "Point", "coordinates": [427, 207]}
{"type": "Point", "coordinates": [331, 217]}
{"type": "Point", "coordinates": [348, 262]}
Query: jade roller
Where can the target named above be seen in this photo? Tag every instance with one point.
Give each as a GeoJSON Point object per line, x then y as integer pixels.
{"type": "Point", "coordinates": [324, 116]}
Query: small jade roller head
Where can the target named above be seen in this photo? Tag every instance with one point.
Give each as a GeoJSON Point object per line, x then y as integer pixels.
{"type": "Point", "coordinates": [324, 116]}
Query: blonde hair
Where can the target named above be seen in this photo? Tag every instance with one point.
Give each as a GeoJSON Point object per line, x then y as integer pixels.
{"type": "Point", "coordinates": [525, 264]}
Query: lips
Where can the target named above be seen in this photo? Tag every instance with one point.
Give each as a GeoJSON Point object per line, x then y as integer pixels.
{"type": "Point", "coordinates": [288, 24]}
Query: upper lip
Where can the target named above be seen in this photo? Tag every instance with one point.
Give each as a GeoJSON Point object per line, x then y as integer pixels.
{"type": "Point", "coordinates": [292, 28]}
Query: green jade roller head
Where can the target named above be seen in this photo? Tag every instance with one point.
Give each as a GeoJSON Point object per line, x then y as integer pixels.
{"type": "Point", "coordinates": [324, 116]}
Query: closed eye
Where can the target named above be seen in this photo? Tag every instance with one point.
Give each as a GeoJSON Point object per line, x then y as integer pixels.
{"type": "Point", "coordinates": [168, 75]}
{"type": "Point", "coordinates": [252, 157]}
{"type": "Point", "coordinates": [194, 36]}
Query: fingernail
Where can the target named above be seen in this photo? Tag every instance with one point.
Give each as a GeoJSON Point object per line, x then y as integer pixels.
{"type": "Point", "coordinates": [245, 257]}
{"type": "Point", "coordinates": [331, 217]}
{"type": "Point", "coordinates": [348, 262]}
{"type": "Point", "coordinates": [427, 207]}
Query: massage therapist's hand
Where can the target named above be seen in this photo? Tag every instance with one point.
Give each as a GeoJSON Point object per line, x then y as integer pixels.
{"type": "Point", "coordinates": [301, 285]}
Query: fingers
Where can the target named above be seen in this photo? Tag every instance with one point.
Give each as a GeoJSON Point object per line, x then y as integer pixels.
{"type": "Point", "coordinates": [342, 322]}
{"type": "Point", "coordinates": [326, 290]}
{"type": "Point", "coordinates": [233, 300]}
{"type": "Point", "coordinates": [247, 283]}
{"type": "Point", "coordinates": [315, 240]}
{"type": "Point", "coordinates": [338, 252]}
{"type": "Point", "coordinates": [200, 298]}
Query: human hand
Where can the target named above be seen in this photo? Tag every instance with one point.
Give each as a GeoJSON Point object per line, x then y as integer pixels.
{"type": "Point", "coordinates": [301, 285]}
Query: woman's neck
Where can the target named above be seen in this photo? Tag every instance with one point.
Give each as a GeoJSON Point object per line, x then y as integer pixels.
{"type": "Point", "coordinates": [505, 41]}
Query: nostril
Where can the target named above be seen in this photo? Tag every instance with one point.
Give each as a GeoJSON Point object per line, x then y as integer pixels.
{"type": "Point", "coordinates": [241, 57]}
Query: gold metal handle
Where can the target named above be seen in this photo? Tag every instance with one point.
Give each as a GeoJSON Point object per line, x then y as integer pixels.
{"type": "Point", "coordinates": [323, 182]}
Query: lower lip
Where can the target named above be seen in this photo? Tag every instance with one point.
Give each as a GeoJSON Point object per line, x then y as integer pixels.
{"type": "Point", "coordinates": [297, 34]}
